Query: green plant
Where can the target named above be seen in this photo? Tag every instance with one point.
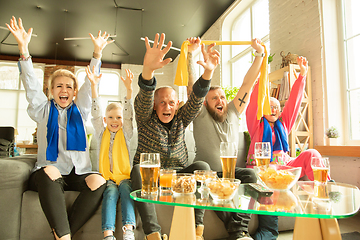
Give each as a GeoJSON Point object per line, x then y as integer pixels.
{"type": "Point", "coordinates": [332, 132]}
{"type": "Point", "coordinates": [270, 58]}
{"type": "Point", "coordinates": [230, 92]}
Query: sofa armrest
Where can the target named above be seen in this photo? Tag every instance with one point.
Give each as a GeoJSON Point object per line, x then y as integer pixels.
{"type": "Point", "coordinates": [14, 175]}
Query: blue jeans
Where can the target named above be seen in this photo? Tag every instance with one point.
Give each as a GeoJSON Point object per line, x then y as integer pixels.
{"type": "Point", "coordinates": [267, 229]}
{"type": "Point", "coordinates": [110, 199]}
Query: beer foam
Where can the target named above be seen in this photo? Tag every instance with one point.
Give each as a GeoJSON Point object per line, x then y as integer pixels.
{"type": "Point", "coordinates": [149, 165]}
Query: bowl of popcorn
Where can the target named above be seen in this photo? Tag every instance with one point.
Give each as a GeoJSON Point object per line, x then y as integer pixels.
{"type": "Point", "coordinates": [183, 183]}
{"type": "Point", "coordinates": [278, 177]}
{"type": "Point", "coordinates": [222, 189]}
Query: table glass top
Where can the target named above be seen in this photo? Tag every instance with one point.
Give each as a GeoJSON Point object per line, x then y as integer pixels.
{"type": "Point", "coordinates": [335, 200]}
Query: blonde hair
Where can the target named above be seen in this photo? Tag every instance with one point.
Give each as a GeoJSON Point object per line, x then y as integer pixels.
{"type": "Point", "coordinates": [112, 106]}
{"type": "Point", "coordinates": [62, 73]}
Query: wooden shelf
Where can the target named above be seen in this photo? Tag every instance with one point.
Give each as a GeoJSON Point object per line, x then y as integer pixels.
{"type": "Point", "coordinates": [345, 151]}
{"type": "Point", "coordinates": [29, 148]}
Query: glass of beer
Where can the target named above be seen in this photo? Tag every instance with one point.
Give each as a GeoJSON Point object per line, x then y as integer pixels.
{"type": "Point", "coordinates": [262, 153]}
{"type": "Point", "coordinates": [150, 171]}
{"type": "Point", "coordinates": [321, 169]}
{"type": "Point", "coordinates": [166, 176]}
{"type": "Point", "coordinates": [228, 156]}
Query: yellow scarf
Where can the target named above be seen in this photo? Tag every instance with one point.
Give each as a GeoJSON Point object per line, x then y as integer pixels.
{"type": "Point", "coordinates": [181, 77]}
{"type": "Point", "coordinates": [120, 156]}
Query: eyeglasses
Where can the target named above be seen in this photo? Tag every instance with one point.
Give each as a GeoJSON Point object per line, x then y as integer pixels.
{"type": "Point", "coordinates": [274, 107]}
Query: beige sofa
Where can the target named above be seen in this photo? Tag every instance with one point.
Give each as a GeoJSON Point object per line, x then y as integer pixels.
{"type": "Point", "coordinates": [21, 216]}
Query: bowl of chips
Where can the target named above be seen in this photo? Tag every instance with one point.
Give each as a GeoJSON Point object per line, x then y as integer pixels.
{"type": "Point", "coordinates": [222, 189]}
{"type": "Point", "coordinates": [278, 177]}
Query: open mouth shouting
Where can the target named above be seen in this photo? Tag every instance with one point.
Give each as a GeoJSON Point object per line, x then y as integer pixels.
{"type": "Point", "coordinates": [220, 108]}
{"type": "Point", "coordinates": [63, 99]}
{"type": "Point", "coordinates": [167, 115]}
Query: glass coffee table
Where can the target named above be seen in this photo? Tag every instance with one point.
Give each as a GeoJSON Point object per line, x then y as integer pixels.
{"type": "Point", "coordinates": [316, 208]}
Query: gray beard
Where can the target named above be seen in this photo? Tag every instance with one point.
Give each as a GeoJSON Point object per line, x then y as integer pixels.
{"type": "Point", "coordinates": [217, 117]}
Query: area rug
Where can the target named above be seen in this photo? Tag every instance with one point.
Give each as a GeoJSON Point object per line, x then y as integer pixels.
{"type": "Point", "coordinates": [350, 236]}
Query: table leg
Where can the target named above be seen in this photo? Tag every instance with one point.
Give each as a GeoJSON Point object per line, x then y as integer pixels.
{"type": "Point", "coordinates": [183, 224]}
{"type": "Point", "coordinates": [330, 229]}
{"type": "Point", "coordinates": [307, 228]}
{"type": "Point", "coordinates": [316, 229]}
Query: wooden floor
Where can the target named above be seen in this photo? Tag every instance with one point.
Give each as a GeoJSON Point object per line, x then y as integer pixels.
{"type": "Point", "coordinates": [346, 225]}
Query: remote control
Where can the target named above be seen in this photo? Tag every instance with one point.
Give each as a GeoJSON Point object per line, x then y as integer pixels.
{"type": "Point", "coordinates": [261, 190]}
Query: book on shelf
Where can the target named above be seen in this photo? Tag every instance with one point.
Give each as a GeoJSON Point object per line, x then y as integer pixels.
{"type": "Point", "coordinates": [281, 91]}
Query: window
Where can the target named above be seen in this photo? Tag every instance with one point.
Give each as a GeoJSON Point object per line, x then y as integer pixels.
{"type": "Point", "coordinates": [251, 22]}
{"type": "Point", "coordinates": [13, 103]}
{"type": "Point", "coordinates": [351, 19]}
{"type": "Point", "coordinates": [109, 87]}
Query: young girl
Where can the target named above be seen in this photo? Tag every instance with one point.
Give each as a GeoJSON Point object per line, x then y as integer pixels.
{"type": "Point", "coordinates": [63, 161]}
{"type": "Point", "coordinates": [114, 158]}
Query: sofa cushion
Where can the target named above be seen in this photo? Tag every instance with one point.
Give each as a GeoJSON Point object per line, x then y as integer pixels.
{"type": "Point", "coordinates": [14, 174]}
{"type": "Point", "coordinates": [40, 229]}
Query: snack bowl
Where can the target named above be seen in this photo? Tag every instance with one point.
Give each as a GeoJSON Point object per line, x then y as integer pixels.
{"type": "Point", "coordinates": [183, 183]}
{"type": "Point", "coordinates": [278, 177]}
{"type": "Point", "coordinates": [222, 189]}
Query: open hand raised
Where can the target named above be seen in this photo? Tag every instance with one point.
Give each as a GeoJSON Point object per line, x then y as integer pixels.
{"type": "Point", "coordinates": [22, 37]}
{"type": "Point", "coordinates": [154, 56]}
{"type": "Point", "coordinates": [94, 79]}
{"type": "Point", "coordinates": [100, 41]}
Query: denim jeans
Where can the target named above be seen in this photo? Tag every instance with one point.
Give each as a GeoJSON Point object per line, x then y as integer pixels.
{"type": "Point", "coordinates": [235, 223]}
{"type": "Point", "coordinates": [147, 210]}
{"type": "Point", "coordinates": [110, 199]}
{"type": "Point", "coordinates": [267, 229]}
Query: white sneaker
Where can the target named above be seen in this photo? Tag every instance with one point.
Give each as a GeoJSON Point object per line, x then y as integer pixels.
{"type": "Point", "coordinates": [111, 237]}
{"type": "Point", "coordinates": [128, 234]}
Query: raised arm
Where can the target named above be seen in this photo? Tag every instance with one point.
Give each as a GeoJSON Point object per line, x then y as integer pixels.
{"type": "Point", "coordinates": [34, 93]}
{"type": "Point", "coordinates": [128, 106]}
{"type": "Point", "coordinates": [242, 97]}
{"type": "Point", "coordinates": [128, 83]}
{"type": "Point", "coordinates": [211, 60]}
{"type": "Point", "coordinates": [194, 45]}
{"type": "Point", "coordinates": [292, 106]}
{"type": "Point", "coordinates": [94, 80]}
{"type": "Point", "coordinates": [83, 99]}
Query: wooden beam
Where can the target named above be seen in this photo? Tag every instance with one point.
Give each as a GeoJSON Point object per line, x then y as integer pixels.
{"type": "Point", "coordinates": [346, 151]}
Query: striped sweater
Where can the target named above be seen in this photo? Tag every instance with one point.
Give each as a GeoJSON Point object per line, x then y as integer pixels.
{"type": "Point", "coordinates": [156, 138]}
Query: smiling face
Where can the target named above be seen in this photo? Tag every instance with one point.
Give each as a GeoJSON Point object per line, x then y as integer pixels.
{"type": "Point", "coordinates": [216, 104]}
{"type": "Point", "coordinates": [275, 110]}
{"type": "Point", "coordinates": [63, 91]}
{"type": "Point", "coordinates": [113, 118]}
{"type": "Point", "coordinates": [165, 104]}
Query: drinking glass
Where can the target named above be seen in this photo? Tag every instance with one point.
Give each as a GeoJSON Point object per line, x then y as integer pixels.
{"type": "Point", "coordinates": [321, 169]}
{"type": "Point", "coordinates": [149, 170]}
{"type": "Point", "coordinates": [228, 156]}
{"type": "Point", "coordinates": [262, 153]}
{"type": "Point", "coordinates": [201, 176]}
{"type": "Point", "coordinates": [166, 176]}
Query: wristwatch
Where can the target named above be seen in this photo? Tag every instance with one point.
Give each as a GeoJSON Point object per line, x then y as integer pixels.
{"type": "Point", "coordinates": [256, 54]}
